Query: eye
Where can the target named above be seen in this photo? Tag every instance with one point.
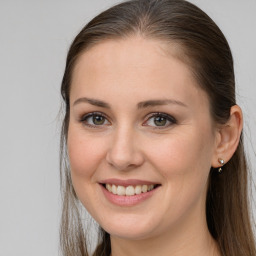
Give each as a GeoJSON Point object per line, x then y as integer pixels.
{"type": "Point", "coordinates": [95, 119]}
{"type": "Point", "coordinates": [160, 120]}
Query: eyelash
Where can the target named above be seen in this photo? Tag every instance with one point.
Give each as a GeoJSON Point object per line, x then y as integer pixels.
{"type": "Point", "coordinates": [85, 118]}
{"type": "Point", "coordinates": [167, 117]}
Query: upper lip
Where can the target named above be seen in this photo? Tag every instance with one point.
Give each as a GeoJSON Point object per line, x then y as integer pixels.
{"type": "Point", "coordinates": [127, 182]}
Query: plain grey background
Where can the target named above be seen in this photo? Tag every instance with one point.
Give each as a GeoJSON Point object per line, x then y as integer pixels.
{"type": "Point", "coordinates": [34, 38]}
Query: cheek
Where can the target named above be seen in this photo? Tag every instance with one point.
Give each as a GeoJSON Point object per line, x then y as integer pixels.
{"type": "Point", "coordinates": [184, 162]}
{"type": "Point", "coordinates": [85, 153]}
{"type": "Point", "coordinates": [187, 153]}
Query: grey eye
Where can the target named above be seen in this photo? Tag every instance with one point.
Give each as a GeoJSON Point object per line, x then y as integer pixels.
{"type": "Point", "coordinates": [98, 120]}
{"type": "Point", "coordinates": [160, 120]}
{"type": "Point", "coordinates": [94, 119]}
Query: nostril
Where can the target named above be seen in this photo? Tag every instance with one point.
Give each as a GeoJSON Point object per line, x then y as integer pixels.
{"type": "Point", "coordinates": [124, 155]}
{"type": "Point", "coordinates": [124, 164]}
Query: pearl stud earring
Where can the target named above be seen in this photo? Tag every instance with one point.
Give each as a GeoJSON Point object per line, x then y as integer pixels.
{"type": "Point", "coordinates": [221, 161]}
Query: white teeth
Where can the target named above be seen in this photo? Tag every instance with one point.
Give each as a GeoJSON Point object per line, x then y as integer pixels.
{"type": "Point", "coordinates": [129, 190]}
{"type": "Point", "coordinates": [144, 188]}
{"type": "Point", "coordinates": [113, 189]}
{"type": "Point", "coordinates": [150, 187]}
{"type": "Point", "coordinates": [138, 190]}
{"type": "Point", "coordinates": [109, 187]}
{"type": "Point", "coordinates": [120, 190]}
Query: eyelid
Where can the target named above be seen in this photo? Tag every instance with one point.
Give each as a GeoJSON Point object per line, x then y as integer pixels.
{"type": "Point", "coordinates": [84, 116]}
{"type": "Point", "coordinates": [90, 114]}
{"type": "Point", "coordinates": [168, 117]}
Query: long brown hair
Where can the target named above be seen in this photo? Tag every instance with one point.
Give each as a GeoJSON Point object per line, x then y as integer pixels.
{"type": "Point", "coordinates": [203, 47]}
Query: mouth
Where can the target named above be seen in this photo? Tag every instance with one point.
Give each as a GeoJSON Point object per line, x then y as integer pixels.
{"type": "Point", "coordinates": [129, 190]}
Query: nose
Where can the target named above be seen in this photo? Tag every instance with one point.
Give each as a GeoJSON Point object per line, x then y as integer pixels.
{"type": "Point", "coordinates": [124, 153]}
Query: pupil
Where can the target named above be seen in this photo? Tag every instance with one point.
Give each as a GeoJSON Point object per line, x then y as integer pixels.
{"type": "Point", "coordinates": [160, 121]}
{"type": "Point", "coordinates": [98, 120]}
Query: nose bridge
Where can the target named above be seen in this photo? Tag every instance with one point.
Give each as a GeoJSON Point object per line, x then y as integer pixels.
{"type": "Point", "coordinates": [124, 152]}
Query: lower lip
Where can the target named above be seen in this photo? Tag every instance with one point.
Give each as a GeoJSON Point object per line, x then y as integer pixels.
{"type": "Point", "coordinates": [127, 200]}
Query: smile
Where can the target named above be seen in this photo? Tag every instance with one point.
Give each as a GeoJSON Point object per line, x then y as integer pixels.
{"type": "Point", "coordinates": [129, 190]}
{"type": "Point", "coordinates": [127, 193]}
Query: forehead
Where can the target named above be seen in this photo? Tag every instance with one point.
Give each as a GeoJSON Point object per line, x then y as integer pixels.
{"type": "Point", "coordinates": [133, 65]}
{"type": "Point", "coordinates": [134, 50]}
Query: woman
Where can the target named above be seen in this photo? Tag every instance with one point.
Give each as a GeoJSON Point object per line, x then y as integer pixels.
{"type": "Point", "coordinates": [153, 136]}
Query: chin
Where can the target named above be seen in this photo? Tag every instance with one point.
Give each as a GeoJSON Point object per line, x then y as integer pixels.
{"type": "Point", "coordinates": [132, 227]}
{"type": "Point", "coordinates": [128, 234]}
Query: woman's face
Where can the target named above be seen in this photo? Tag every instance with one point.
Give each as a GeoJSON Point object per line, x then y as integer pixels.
{"type": "Point", "coordinates": [140, 140]}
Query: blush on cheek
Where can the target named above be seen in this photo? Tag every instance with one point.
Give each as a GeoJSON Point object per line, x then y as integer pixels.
{"type": "Point", "coordinates": [170, 155]}
{"type": "Point", "coordinates": [84, 154]}
{"type": "Point", "coordinates": [78, 156]}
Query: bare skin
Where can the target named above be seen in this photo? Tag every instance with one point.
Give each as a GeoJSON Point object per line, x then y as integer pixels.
{"type": "Point", "coordinates": [137, 113]}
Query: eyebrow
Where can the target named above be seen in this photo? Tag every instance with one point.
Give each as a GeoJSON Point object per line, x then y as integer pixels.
{"type": "Point", "coordinates": [152, 103]}
{"type": "Point", "coordinates": [93, 102]}
{"type": "Point", "coordinates": [143, 104]}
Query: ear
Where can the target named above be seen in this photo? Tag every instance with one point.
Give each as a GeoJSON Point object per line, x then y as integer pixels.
{"type": "Point", "coordinates": [228, 136]}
